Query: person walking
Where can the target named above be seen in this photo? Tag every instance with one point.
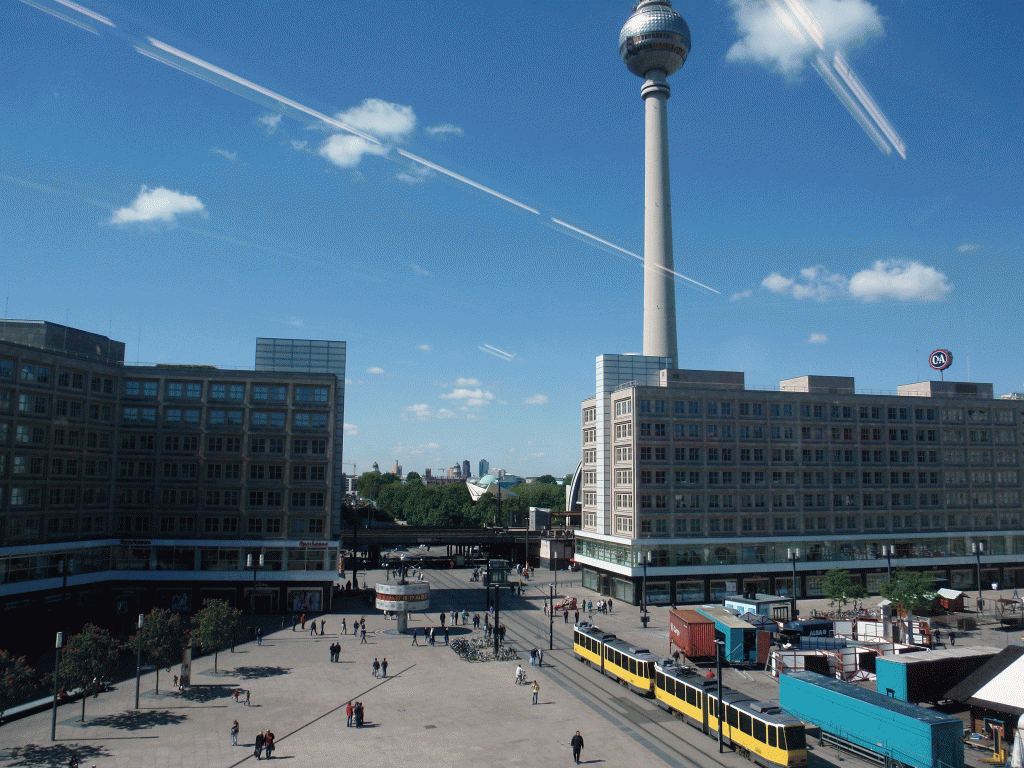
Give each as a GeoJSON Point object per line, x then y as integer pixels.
{"type": "Point", "coordinates": [344, 627]}
{"type": "Point", "coordinates": [302, 620]}
{"type": "Point", "coordinates": [442, 618]}
{"type": "Point", "coordinates": [248, 693]}
{"type": "Point", "coordinates": [259, 636]}
{"type": "Point", "coordinates": [312, 627]}
{"type": "Point", "coordinates": [536, 691]}
{"type": "Point", "coordinates": [609, 606]}
{"type": "Point", "coordinates": [952, 638]}
{"type": "Point", "coordinates": [258, 751]}
{"type": "Point", "coordinates": [540, 657]}
{"type": "Point", "coordinates": [234, 734]}
{"type": "Point", "coordinates": [359, 714]}
{"type": "Point", "coordinates": [322, 623]}
{"type": "Point", "coordinates": [350, 711]}
{"type": "Point", "coordinates": [577, 746]}
{"type": "Point", "coordinates": [565, 615]}
{"type": "Point", "coordinates": [268, 742]}
{"type": "Point", "coordinates": [295, 621]}
{"type": "Point", "coordinates": [384, 667]}
{"type": "Point", "coordinates": [577, 617]}
{"type": "Point", "coordinates": [415, 635]}
{"type": "Point", "coordinates": [376, 668]}
{"type": "Point", "coordinates": [446, 635]}
{"type": "Point", "coordinates": [362, 635]}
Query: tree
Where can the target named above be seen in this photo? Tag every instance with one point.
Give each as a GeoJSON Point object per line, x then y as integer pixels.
{"type": "Point", "coordinates": [216, 627]}
{"type": "Point", "coordinates": [16, 678]}
{"type": "Point", "coordinates": [413, 477]}
{"type": "Point", "coordinates": [547, 479]}
{"type": "Point", "coordinates": [368, 485]}
{"type": "Point", "coordinates": [840, 587]}
{"type": "Point", "coordinates": [164, 636]}
{"type": "Point", "coordinates": [87, 661]}
{"type": "Point", "coordinates": [908, 590]}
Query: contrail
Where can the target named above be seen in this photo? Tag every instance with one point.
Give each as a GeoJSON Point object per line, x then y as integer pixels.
{"type": "Point", "coordinates": [822, 68]}
{"type": "Point", "coordinates": [846, 72]}
{"type": "Point", "coordinates": [222, 78]}
{"type": "Point", "coordinates": [496, 352]}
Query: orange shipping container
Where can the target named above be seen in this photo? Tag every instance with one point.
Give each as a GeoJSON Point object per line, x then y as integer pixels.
{"type": "Point", "coordinates": [692, 633]}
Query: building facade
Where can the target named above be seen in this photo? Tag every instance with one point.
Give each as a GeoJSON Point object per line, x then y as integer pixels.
{"type": "Point", "coordinates": [716, 487]}
{"type": "Point", "coordinates": [483, 468]}
{"type": "Point", "coordinates": [161, 474]}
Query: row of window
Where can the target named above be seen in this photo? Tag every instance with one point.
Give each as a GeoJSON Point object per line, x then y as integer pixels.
{"type": "Point", "coordinates": [811, 477]}
{"type": "Point", "coordinates": [221, 525]}
{"type": "Point", "coordinates": [216, 417]}
{"type": "Point", "coordinates": [696, 431]}
{"type": "Point", "coordinates": [694, 454]}
{"type": "Point", "coordinates": [35, 373]}
{"type": "Point", "coordinates": [193, 390]}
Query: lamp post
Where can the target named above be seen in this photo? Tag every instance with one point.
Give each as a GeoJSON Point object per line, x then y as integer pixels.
{"type": "Point", "coordinates": [643, 596]}
{"type": "Point", "coordinates": [251, 562]}
{"type": "Point", "coordinates": [978, 548]}
{"type": "Point", "coordinates": [719, 644]}
{"type": "Point", "coordinates": [497, 616]}
{"type": "Point", "coordinates": [56, 675]}
{"type": "Point", "coordinates": [551, 619]}
{"type": "Point", "coordinates": [887, 554]}
{"type": "Point", "coordinates": [138, 660]}
{"type": "Point", "coordinates": [793, 555]}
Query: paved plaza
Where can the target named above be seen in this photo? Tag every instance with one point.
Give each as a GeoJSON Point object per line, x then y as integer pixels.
{"type": "Point", "coordinates": [433, 708]}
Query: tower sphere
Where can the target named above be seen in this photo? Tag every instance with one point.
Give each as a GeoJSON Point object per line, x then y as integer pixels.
{"type": "Point", "coordinates": [654, 37]}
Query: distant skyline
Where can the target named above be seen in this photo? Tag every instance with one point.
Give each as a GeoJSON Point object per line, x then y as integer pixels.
{"type": "Point", "coordinates": [186, 178]}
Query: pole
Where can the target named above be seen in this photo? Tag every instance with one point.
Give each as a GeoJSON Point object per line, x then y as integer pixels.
{"type": "Point", "coordinates": [643, 596]}
{"type": "Point", "coordinates": [138, 661]}
{"type": "Point", "coordinates": [793, 555]}
{"type": "Point", "coordinates": [56, 676]}
{"type": "Point", "coordinates": [551, 622]}
{"type": "Point", "coordinates": [718, 672]}
{"type": "Point", "coordinates": [497, 615]}
{"type": "Point", "coordinates": [979, 549]}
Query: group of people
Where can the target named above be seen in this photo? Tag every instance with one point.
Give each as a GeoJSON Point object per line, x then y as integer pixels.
{"type": "Point", "coordinates": [354, 710]}
{"type": "Point", "coordinates": [380, 668]}
{"type": "Point", "coordinates": [429, 634]}
{"type": "Point", "coordinates": [335, 649]}
{"type": "Point", "coordinates": [264, 743]}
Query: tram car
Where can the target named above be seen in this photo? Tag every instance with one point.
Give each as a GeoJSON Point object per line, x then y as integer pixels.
{"type": "Point", "coordinates": [759, 731]}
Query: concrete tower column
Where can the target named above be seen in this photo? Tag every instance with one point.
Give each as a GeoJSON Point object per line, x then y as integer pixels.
{"type": "Point", "coordinates": [659, 280]}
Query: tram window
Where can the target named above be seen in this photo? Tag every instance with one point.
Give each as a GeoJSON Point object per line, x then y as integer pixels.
{"type": "Point", "coordinates": [670, 686]}
{"type": "Point", "coordinates": [795, 738]}
{"type": "Point", "coordinates": [771, 736]}
{"type": "Point", "coordinates": [648, 669]}
{"type": "Point", "coordinates": [782, 738]}
{"type": "Point", "coordinates": [730, 715]}
{"type": "Point", "coordinates": [692, 697]}
{"type": "Point", "coordinates": [632, 666]}
{"type": "Point", "coordinates": [745, 723]}
{"type": "Point", "coordinates": [759, 731]}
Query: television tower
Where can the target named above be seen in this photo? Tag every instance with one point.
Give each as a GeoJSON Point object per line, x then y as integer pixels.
{"type": "Point", "coordinates": [654, 43]}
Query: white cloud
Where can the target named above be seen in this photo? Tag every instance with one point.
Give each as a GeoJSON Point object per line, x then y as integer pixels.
{"type": "Point", "coordinates": [381, 118]}
{"type": "Point", "coordinates": [467, 383]}
{"type": "Point", "coordinates": [444, 413]}
{"type": "Point", "coordinates": [298, 146]}
{"type": "Point", "coordinates": [471, 397]}
{"type": "Point", "coordinates": [419, 412]}
{"type": "Point", "coordinates": [345, 150]}
{"type": "Point", "coordinates": [968, 247]}
{"type": "Point", "coordinates": [813, 283]}
{"type": "Point", "coordinates": [776, 283]}
{"type": "Point", "coordinates": [351, 430]}
{"type": "Point", "coordinates": [817, 338]}
{"type": "Point", "coordinates": [232, 156]}
{"type": "Point", "coordinates": [297, 322]}
{"type": "Point", "coordinates": [445, 129]}
{"type": "Point", "coordinates": [740, 295]}
{"type": "Point", "coordinates": [375, 370]}
{"type": "Point", "coordinates": [424, 347]}
{"type": "Point", "coordinates": [271, 122]}
{"type": "Point", "coordinates": [536, 400]}
{"type": "Point", "coordinates": [159, 204]}
{"type": "Point", "coordinates": [905, 281]}
{"type": "Point", "coordinates": [472, 417]}
{"type": "Point", "coordinates": [417, 174]}
{"type": "Point", "coordinates": [418, 270]}
{"type": "Point", "coordinates": [772, 35]}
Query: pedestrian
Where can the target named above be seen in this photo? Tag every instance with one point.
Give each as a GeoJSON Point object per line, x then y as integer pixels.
{"type": "Point", "coordinates": [376, 668]}
{"type": "Point", "coordinates": [442, 618]}
{"type": "Point", "coordinates": [236, 693]}
{"type": "Point", "coordinates": [577, 617]}
{"type": "Point", "coordinates": [565, 615]}
{"type": "Point", "coordinates": [609, 606]}
{"type": "Point", "coordinates": [259, 636]}
{"type": "Point", "coordinates": [359, 714]}
{"type": "Point", "coordinates": [384, 667]}
{"type": "Point", "coordinates": [282, 622]}
{"type": "Point", "coordinates": [302, 620]}
{"type": "Point", "coordinates": [362, 623]}
{"type": "Point", "coordinates": [952, 637]}
{"type": "Point", "coordinates": [259, 745]}
{"type": "Point", "coordinates": [175, 681]}
{"type": "Point", "coordinates": [362, 635]}
{"type": "Point", "coordinates": [540, 657]}
{"type": "Point", "coordinates": [248, 693]}
{"type": "Point", "coordinates": [446, 635]}
{"type": "Point", "coordinates": [577, 746]}
{"type": "Point", "coordinates": [501, 633]}
{"type": "Point", "coordinates": [268, 742]}
{"type": "Point", "coordinates": [431, 636]}
{"type": "Point", "coordinates": [322, 622]}
{"type": "Point", "coordinates": [350, 711]}
{"type": "Point", "coordinates": [312, 627]}
{"type": "Point", "coordinates": [533, 657]}
{"type": "Point", "coordinates": [476, 621]}
{"type": "Point", "coordinates": [344, 627]}
{"type": "Point", "coordinates": [234, 734]}
{"type": "Point", "coordinates": [536, 691]}
{"type": "Point", "coordinates": [295, 621]}
{"type": "Point", "coordinates": [415, 633]}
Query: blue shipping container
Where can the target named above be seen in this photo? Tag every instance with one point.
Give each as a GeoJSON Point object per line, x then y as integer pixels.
{"type": "Point", "coordinates": [915, 736]}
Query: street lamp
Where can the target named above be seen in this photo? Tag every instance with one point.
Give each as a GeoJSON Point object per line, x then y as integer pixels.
{"type": "Point", "coordinates": [978, 548]}
{"type": "Point", "coordinates": [887, 552]}
{"type": "Point", "coordinates": [643, 597]}
{"type": "Point", "coordinates": [251, 562]}
{"type": "Point", "coordinates": [719, 645]}
{"type": "Point", "coordinates": [56, 675]}
{"type": "Point", "coordinates": [138, 660]}
{"type": "Point", "coordinates": [793, 555]}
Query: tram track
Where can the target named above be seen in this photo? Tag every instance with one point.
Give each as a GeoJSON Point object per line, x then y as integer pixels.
{"type": "Point", "coordinates": [639, 718]}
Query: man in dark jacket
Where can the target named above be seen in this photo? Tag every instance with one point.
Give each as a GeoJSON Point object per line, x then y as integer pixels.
{"type": "Point", "coordinates": [577, 746]}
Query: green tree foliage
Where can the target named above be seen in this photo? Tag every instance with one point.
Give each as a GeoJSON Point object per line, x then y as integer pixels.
{"type": "Point", "coordinates": [164, 636]}
{"type": "Point", "coordinates": [216, 627]}
{"type": "Point", "coordinates": [87, 657]}
{"type": "Point", "coordinates": [413, 477]}
{"type": "Point", "coordinates": [909, 590]}
{"type": "Point", "coordinates": [840, 587]}
{"type": "Point", "coordinates": [546, 479]}
{"type": "Point", "coordinates": [368, 485]}
{"type": "Point", "coordinates": [16, 678]}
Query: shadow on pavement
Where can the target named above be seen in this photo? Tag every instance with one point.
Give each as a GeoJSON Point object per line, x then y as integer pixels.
{"type": "Point", "coordinates": [255, 673]}
{"type": "Point", "coordinates": [33, 755]}
{"type": "Point", "coordinates": [135, 721]}
{"type": "Point", "coordinates": [202, 694]}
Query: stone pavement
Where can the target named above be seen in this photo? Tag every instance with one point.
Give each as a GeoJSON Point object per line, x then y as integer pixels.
{"type": "Point", "coordinates": [433, 707]}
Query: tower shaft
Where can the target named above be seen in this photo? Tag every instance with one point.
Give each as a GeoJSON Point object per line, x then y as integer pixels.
{"type": "Point", "coordinates": [659, 277]}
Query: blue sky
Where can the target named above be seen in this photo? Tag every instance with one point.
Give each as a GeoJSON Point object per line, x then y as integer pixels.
{"type": "Point", "coordinates": [157, 189]}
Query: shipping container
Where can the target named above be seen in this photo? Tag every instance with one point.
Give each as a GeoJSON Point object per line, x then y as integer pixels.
{"type": "Point", "coordinates": [740, 637]}
{"type": "Point", "coordinates": [910, 735]}
{"type": "Point", "coordinates": [927, 675]}
{"type": "Point", "coordinates": [692, 633]}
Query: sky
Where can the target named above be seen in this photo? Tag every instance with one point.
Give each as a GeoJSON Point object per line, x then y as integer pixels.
{"type": "Point", "coordinates": [455, 189]}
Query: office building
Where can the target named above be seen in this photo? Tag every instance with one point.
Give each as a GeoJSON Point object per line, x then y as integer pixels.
{"type": "Point", "coordinates": [483, 468]}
